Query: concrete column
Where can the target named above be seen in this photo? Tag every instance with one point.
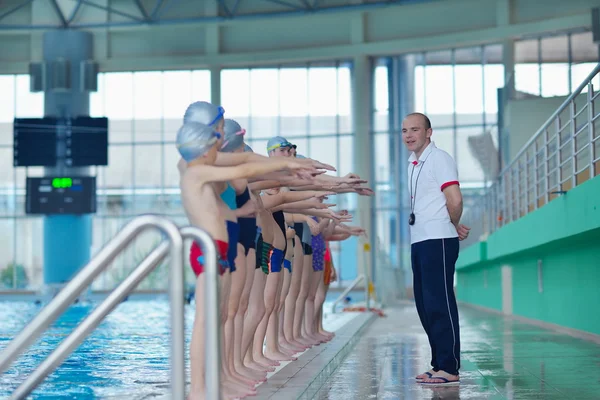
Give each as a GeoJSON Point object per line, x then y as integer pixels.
{"type": "Point", "coordinates": [215, 86]}
{"type": "Point", "coordinates": [401, 100]}
{"type": "Point", "coordinates": [403, 82]}
{"type": "Point", "coordinates": [362, 87]}
{"type": "Point", "coordinates": [67, 238]}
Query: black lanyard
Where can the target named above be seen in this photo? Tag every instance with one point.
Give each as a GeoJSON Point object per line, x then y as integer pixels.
{"type": "Point", "coordinates": [413, 197]}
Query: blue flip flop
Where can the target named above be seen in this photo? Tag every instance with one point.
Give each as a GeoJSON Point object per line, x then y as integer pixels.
{"type": "Point", "coordinates": [445, 382]}
{"type": "Point", "coordinates": [424, 373]}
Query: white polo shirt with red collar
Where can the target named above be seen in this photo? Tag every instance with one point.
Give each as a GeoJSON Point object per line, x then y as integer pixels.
{"type": "Point", "coordinates": [428, 177]}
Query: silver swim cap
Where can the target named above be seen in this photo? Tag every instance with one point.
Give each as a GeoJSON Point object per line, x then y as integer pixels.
{"type": "Point", "coordinates": [234, 136]}
{"type": "Point", "coordinates": [204, 113]}
{"type": "Point", "coordinates": [194, 140]}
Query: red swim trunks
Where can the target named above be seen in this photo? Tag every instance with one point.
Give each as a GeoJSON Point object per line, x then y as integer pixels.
{"type": "Point", "coordinates": [196, 257]}
{"type": "Point", "coordinates": [328, 270]}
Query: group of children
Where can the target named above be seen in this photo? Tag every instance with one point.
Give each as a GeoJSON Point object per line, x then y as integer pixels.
{"type": "Point", "coordinates": [271, 226]}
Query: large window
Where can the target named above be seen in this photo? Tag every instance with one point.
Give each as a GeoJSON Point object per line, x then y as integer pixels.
{"type": "Point", "coordinates": [309, 105]}
{"type": "Point", "coordinates": [145, 110]}
{"type": "Point", "coordinates": [20, 238]}
{"type": "Point", "coordinates": [554, 65]}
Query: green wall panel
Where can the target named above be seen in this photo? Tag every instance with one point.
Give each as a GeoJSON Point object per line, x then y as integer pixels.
{"type": "Point", "coordinates": [563, 237]}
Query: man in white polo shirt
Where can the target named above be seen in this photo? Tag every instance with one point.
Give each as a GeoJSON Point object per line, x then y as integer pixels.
{"type": "Point", "coordinates": [436, 208]}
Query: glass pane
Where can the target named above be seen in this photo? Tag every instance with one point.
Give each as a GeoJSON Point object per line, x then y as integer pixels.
{"type": "Point", "coordinates": [171, 172]}
{"type": "Point", "coordinates": [583, 48]}
{"type": "Point", "coordinates": [7, 111]}
{"type": "Point", "coordinates": [147, 95]}
{"type": "Point", "coordinates": [324, 150]}
{"type": "Point", "coordinates": [526, 51]}
{"type": "Point", "coordinates": [171, 126]}
{"type": "Point", "coordinates": [420, 89]}
{"type": "Point", "coordinates": [386, 235]}
{"type": "Point", "coordinates": [302, 143]}
{"type": "Point", "coordinates": [579, 73]}
{"type": "Point", "coordinates": [527, 78]}
{"type": "Point", "coordinates": [344, 100]}
{"type": "Point", "coordinates": [147, 105]}
{"type": "Point", "coordinates": [119, 95]}
{"type": "Point", "coordinates": [469, 159]}
{"type": "Point", "coordinates": [7, 99]}
{"type": "Point", "coordinates": [264, 102]}
{"type": "Point", "coordinates": [6, 167]}
{"type": "Point", "coordinates": [201, 85]}
{"type": "Point", "coordinates": [382, 157]}
{"type": "Point", "coordinates": [555, 49]}
{"type": "Point", "coordinates": [322, 94]}
{"type": "Point", "coordinates": [380, 116]}
{"type": "Point", "coordinates": [235, 92]}
{"type": "Point", "coordinates": [439, 88]}
{"type": "Point", "coordinates": [177, 94]}
{"type": "Point", "coordinates": [27, 104]}
{"type": "Point", "coordinates": [346, 156]}
{"type": "Point", "coordinates": [259, 146]}
{"type": "Point", "coordinates": [382, 88]}
{"type": "Point", "coordinates": [119, 170]}
{"type": "Point", "coordinates": [469, 94]}
{"type": "Point", "coordinates": [119, 131]}
{"type": "Point", "coordinates": [148, 165]}
{"type": "Point", "coordinates": [7, 266]}
{"type": "Point", "coordinates": [494, 79]}
{"type": "Point", "coordinates": [444, 139]}
{"type": "Point", "coordinates": [97, 98]}
{"type": "Point", "coordinates": [148, 130]}
{"type": "Point", "coordinates": [555, 80]}
{"type": "Point", "coordinates": [293, 100]}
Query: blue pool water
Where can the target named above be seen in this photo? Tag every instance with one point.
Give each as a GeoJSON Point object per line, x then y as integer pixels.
{"type": "Point", "coordinates": [126, 357]}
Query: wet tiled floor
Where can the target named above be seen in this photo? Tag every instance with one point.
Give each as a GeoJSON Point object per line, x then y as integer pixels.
{"type": "Point", "coordinates": [501, 359]}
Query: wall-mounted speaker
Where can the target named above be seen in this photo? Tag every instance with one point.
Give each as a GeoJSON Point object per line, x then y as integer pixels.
{"type": "Point", "coordinates": [596, 25]}
{"type": "Point", "coordinates": [37, 77]}
{"type": "Point", "coordinates": [60, 75]}
{"type": "Point", "coordinates": [89, 76]}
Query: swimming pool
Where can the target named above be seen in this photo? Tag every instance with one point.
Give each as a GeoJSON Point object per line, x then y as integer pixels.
{"type": "Point", "coordinates": [127, 357]}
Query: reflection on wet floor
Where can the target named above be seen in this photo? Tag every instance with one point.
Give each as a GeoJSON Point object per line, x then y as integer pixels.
{"type": "Point", "coordinates": [501, 359]}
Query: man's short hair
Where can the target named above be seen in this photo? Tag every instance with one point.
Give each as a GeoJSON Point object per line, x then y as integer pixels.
{"type": "Point", "coordinates": [426, 120]}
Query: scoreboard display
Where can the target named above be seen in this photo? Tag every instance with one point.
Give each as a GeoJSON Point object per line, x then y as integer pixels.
{"type": "Point", "coordinates": [61, 195]}
{"type": "Point", "coordinates": [36, 141]}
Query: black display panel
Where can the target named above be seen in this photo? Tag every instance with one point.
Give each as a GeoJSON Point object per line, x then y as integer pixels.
{"type": "Point", "coordinates": [87, 142]}
{"type": "Point", "coordinates": [34, 142]}
{"type": "Point", "coordinates": [61, 195]}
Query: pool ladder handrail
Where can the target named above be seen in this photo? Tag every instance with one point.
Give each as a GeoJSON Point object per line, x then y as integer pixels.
{"type": "Point", "coordinates": [57, 306]}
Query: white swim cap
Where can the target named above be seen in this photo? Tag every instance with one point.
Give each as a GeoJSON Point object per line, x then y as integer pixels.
{"type": "Point", "coordinates": [194, 140]}
{"type": "Point", "coordinates": [204, 113]}
{"type": "Point", "coordinates": [234, 136]}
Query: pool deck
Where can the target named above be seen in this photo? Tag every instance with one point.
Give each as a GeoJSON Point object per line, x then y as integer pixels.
{"type": "Point", "coordinates": [502, 358]}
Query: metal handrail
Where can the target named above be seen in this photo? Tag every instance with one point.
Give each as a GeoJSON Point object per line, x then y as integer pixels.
{"type": "Point", "coordinates": [553, 157]}
{"type": "Point", "coordinates": [69, 293]}
{"type": "Point", "coordinates": [364, 276]}
{"type": "Point", "coordinates": [211, 316]}
{"type": "Point", "coordinates": [553, 117]}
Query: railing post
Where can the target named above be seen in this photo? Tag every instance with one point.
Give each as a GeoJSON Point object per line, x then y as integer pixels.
{"type": "Point", "coordinates": [212, 324]}
{"type": "Point", "coordinates": [557, 155]}
{"type": "Point", "coordinates": [590, 97]}
{"type": "Point", "coordinates": [546, 169]}
{"type": "Point", "coordinates": [535, 176]}
{"type": "Point", "coordinates": [573, 147]}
